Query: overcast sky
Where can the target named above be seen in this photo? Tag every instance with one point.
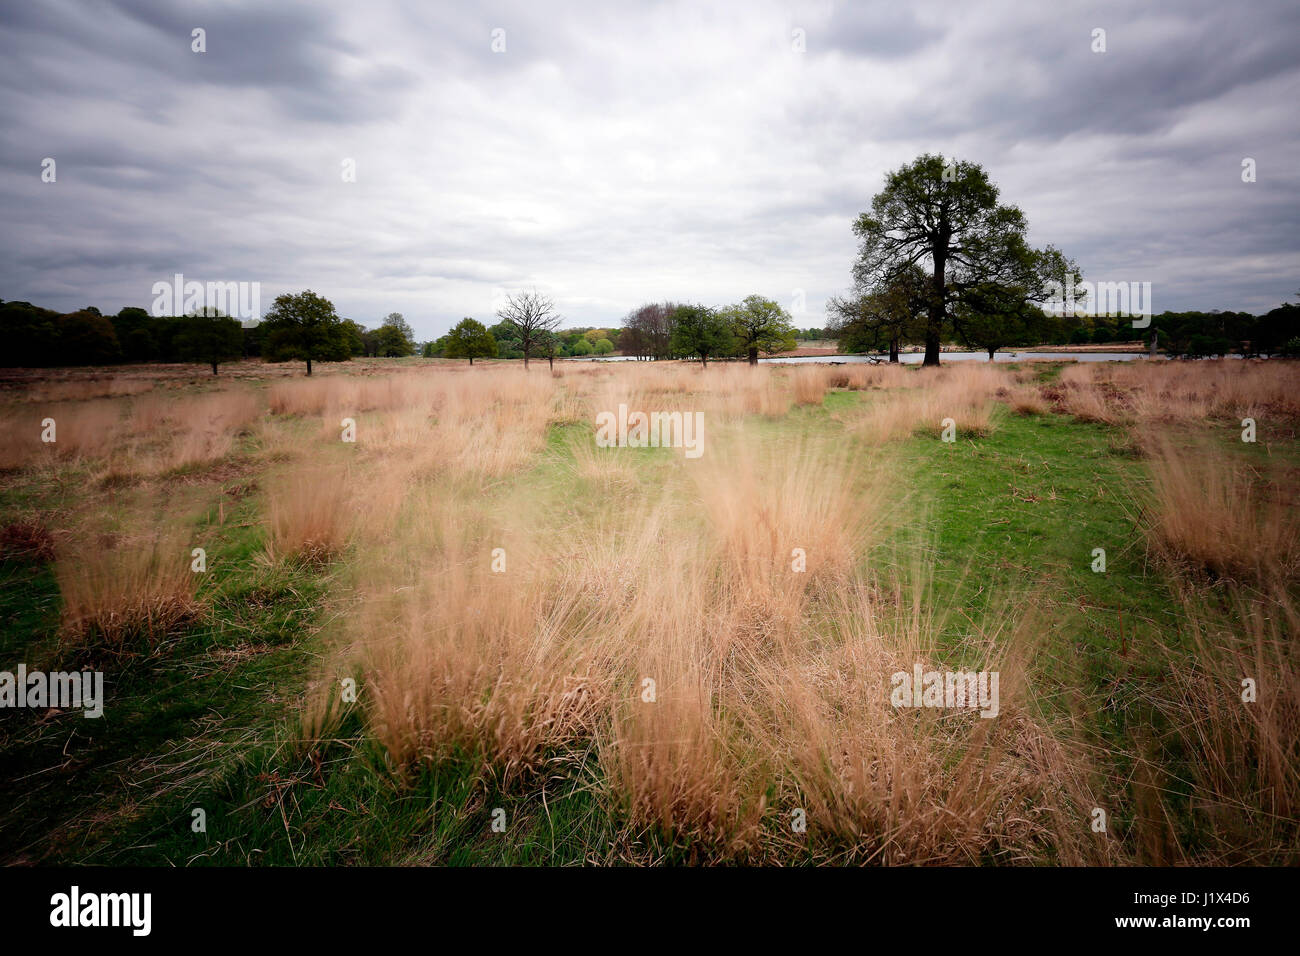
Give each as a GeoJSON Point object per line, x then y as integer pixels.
{"type": "Point", "coordinates": [618, 153]}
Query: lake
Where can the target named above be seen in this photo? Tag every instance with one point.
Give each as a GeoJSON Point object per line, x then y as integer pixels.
{"type": "Point", "coordinates": [915, 358]}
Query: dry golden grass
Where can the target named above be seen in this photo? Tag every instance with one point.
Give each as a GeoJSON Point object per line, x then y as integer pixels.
{"type": "Point", "coordinates": [1212, 512]}
{"type": "Point", "coordinates": [963, 393]}
{"type": "Point", "coordinates": [310, 514]}
{"type": "Point", "coordinates": [920, 786]}
{"type": "Point", "coordinates": [1144, 392]}
{"type": "Point", "coordinates": [81, 430]}
{"type": "Point", "coordinates": [738, 584]}
{"type": "Point", "coordinates": [1027, 400]}
{"type": "Point", "coordinates": [123, 596]}
{"type": "Point", "coordinates": [1240, 760]}
{"type": "Point", "coordinates": [84, 389]}
{"type": "Point", "coordinates": [810, 384]}
{"type": "Point", "coordinates": [717, 686]}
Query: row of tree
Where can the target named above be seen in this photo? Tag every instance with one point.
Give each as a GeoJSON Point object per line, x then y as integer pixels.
{"type": "Point", "coordinates": [746, 328]}
{"type": "Point", "coordinates": [940, 259]}
{"type": "Point", "coordinates": [41, 338]}
{"type": "Point", "coordinates": [658, 330]}
{"type": "Point", "coordinates": [470, 339]}
{"type": "Point", "coordinates": [885, 320]}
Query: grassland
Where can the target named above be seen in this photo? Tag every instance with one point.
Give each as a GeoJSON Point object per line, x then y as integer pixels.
{"type": "Point", "coordinates": [373, 564]}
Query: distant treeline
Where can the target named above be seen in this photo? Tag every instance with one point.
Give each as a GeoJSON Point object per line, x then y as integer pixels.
{"type": "Point", "coordinates": [40, 338]}
{"type": "Point", "coordinates": [1184, 333]}
{"type": "Point", "coordinates": [864, 328]}
{"type": "Point", "coordinates": [37, 337]}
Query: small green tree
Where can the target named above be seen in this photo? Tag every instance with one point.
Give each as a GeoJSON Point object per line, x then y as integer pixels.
{"type": "Point", "coordinates": [882, 316]}
{"type": "Point", "coordinates": [306, 327]}
{"type": "Point", "coordinates": [760, 325]}
{"type": "Point", "coordinates": [396, 338]}
{"type": "Point", "coordinates": [210, 338]}
{"type": "Point", "coordinates": [701, 331]}
{"type": "Point", "coordinates": [471, 340]}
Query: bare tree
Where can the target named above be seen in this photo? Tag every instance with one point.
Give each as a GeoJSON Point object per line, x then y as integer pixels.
{"type": "Point", "coordinates": [652, 330]}
{"type": "Point", "coordinates": [533, 316]}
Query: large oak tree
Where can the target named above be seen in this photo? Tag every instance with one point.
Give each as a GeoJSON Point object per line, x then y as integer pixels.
{"type": "Point", "coordinates": [945, 217]}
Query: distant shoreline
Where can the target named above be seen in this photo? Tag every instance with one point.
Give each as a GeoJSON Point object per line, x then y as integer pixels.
{"type": "Point", "coordinates": [809, 351]}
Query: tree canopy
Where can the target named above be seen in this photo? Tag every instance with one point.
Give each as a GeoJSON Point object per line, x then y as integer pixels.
{"type": "Point", "coordinates": [303, 327]}
{"type": "Point", "coordinates": [394, 338]}
{"type": "Point", "coordinates": [760, 325]}
{"type": "Point", "coordinates": [470, 340]}
{"type": "Point", "coordinates": [945, 216]}
{"type": "Point", "coordinates": [211, 338]}
{"type": "Point", "coordinates": [700, 332]}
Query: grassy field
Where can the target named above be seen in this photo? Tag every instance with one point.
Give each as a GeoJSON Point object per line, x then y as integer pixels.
{"type": "Point", "coordinates": [432, 644]}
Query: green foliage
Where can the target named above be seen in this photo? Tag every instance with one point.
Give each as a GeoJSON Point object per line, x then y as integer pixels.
{"type": "Point", "coordinates": [883, 317]}
{"type": "Point", "coordinates": [947, 215]}
{"type": "Point", "coordinates": [304, 327]}
{"type": "Point", "coordinates": [31, 335]}
{"type": "Point", "coordinates": [507, 338]}
{"type": "Point", "coordinates": [354, 334]}
{"type": "Point", "coordinates": [470, 340]}
{"type": "Point", "coordinates": [701, 332]}
{"type": "Point", "coordinates": [211, 339]}
{"type": "Point", "coordinates": [759, 325]}
{"type": "Point", "coordinates": [604, 346]}
{"type": "Point", "coordinates": [87, 338]}
{"type": "Point", "coordinates": [395, 338]}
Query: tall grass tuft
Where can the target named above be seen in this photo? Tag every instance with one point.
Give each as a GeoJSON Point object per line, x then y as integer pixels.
{"type": "Point", "coordinates": [1208, 509]}
{"type": "Point", "coordinates": [309, 515]}
{"type": "Point", "coordinates": [123, 597]}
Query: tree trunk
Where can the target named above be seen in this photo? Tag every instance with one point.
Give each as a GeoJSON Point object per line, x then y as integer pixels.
{"type": "Point", "coordinates": [704, 360]}
{"type": "Point", "coordinates": [753, 355]}
{"type": "Point", "coordinates": [214, 368]}
{"type": "Point", "coordinates": [471, 360]}
{"type": "Point", "coordinates": [934, 324]}
{"type": "Point", "coordinates": [893, 351]}
{"type": "Point", "coordinates": [551, 361]}
{"type": "Point", "coordinates": [992, 349]}
{"type": "Point", "coordinates": [308, 364]}
{"type": "Point", "coordinates": [1155, 334]}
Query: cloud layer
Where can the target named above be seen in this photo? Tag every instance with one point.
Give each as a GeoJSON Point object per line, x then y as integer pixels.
{"type": "Point", "coordinates": [615, 154]}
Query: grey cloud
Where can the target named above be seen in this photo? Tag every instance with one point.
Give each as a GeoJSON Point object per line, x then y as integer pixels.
{"type": "Point", "coordinates": [620, 154]}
